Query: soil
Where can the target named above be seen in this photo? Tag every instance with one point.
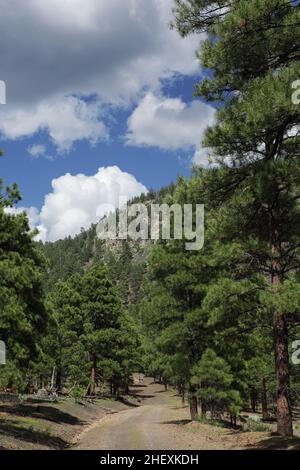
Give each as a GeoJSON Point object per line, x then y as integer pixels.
{"type": "Point", "coordinates": [45, 425]}
{"type": "Point", "coordinates": [151, 418]}
{"type": "Point", "coordinates": [162, 423]}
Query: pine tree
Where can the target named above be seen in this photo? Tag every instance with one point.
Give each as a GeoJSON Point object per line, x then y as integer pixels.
{"type": "Point", "coordinates": [23, 316]}
{"type": "Point", "coordinates": [101, 309]}
{"type": "Point", "coordinates": [63, 345]}
{"type": "Point", "coordinates": [253, 52]}
{"type": "Point", "coordinates": [214, 379]}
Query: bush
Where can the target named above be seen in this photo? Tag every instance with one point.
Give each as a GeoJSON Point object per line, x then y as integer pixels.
{"type": "Point", "coordinates": [12, 377]}
{"type": "Point", "coordinates": [78, 393]}
{"type": "Point", "coordinates": [255, 426]}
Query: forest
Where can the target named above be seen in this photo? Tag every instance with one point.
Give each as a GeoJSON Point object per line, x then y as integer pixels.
{"type": "Point", "coordinates": [80, 315]}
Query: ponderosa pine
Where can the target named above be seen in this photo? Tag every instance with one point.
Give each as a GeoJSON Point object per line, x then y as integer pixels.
{"type": "Point", "coordinates": [253, 50]}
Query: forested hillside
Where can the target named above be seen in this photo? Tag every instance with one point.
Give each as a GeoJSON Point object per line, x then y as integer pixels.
{"type": "Point", "coordinates": [126, 259]}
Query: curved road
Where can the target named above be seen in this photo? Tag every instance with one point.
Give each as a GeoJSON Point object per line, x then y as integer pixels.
{"type": "Point", "coordinates": [148, 427]}
{"type": "Point", "coordinates": [161, 423]}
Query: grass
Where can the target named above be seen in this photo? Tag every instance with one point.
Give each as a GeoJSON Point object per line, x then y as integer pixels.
{"type": "Point", "coordinates": [41, 424]}
{"type": "Point", "coordinates": [23, 421]}
{"type": "Point", "coordinates": [249, 426]}
{"type": "Point", "coordinates": [23, 429]}
{"type": "Point", "coordinates": [256, 426]}
{"type": "Point", "coordinates": [212, 422]}
{"type": "Point", "coordinates": [259, 427]}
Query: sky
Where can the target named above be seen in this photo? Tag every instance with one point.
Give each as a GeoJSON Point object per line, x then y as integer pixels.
{"type": "Point", "coordinates": [98, 105]}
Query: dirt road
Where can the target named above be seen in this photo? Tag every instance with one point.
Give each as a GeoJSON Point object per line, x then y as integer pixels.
{"type": "Point", "coordinates": [154, 420]}
{"type": "Point", "coordinates": [161, 423]}
{"type": "Point", "coordinates": [144, 427]}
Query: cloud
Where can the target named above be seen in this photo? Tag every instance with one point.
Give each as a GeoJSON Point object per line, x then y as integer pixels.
{"type": "Point", "coordinates": [56, 55]}
{"type": "Point", "coordinates": [168, 123]}
{"type": "Point", "coordinates": [37, 150]}
{"type": "Point", "coordinates": [112, 48]}
{"type": "Point", "coordinates": [78, 201]}
{"type": "Point", "coordinates": [66, 120]}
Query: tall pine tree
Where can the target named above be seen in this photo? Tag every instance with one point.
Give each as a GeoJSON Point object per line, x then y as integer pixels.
{"type": "Point", "coordinates": [252, 50]}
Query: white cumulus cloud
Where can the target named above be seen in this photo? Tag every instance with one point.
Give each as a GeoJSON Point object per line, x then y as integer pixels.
{"type": "Point", "coordinates": [80, 200]}
{"type": "Point", "coordinates": [168, 123]}
{"type": "Point", "coordinates": [67, 120]}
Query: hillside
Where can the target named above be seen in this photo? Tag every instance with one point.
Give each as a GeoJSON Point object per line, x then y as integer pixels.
{"type": "Point", "coordinates": [126, 260]}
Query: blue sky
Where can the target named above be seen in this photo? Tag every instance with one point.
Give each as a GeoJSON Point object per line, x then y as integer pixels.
{"type": "Point", "coordinates": [95, 85]}
{"type": "Point", "coordinates": [150, 165]}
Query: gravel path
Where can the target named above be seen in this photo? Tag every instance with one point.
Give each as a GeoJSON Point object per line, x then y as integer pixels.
{"type": "Point", "coordinates": [142, 427]}
{"type": "Point", "coordinates": [161, 423]}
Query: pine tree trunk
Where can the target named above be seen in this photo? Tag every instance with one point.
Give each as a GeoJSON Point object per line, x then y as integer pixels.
{"type": "Point", "coordinates": [199, 400]}
{"type": "Point", "coordinates": [253, 402]}
{"type": "Point", "coordinates": [264, 400]}
{"type": "Point", "coordinates": [183, 396]}
{"type": "Point", "coordinates": [284, 412]}
{"type": "Point", "coordinates": [181, 393]}
{"type": "Point", "coordinates": [42, 381]}
{"type": "Point", "coordinates": [203, 410]}
{"type": "Point", "coordinates": [58, 379]}
{"type": "Point", "coordinates": [193, 404]}
{"type": "Point", "coordinates": [280, 332]}
{"type": "Point", "coordinates": [53, 378]}
{"type": "Point", "coordinates": [93, 375]}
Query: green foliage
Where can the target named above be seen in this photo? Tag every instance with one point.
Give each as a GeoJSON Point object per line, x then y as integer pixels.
{"type": "Point", "coordinates": [254, 426]}
{"type": "Point", "coordinates": [252, 51]}
{"type": "Point", "coordinates": [12, 377]}
{"type": "Point", "coordinates": [23, 316]}
{"type": "Point", "coordinates": [214, 378]}
{"type": "Point", "coordinates": [90, 327]}
{"type": "Point", "coordinates": [78, 393]}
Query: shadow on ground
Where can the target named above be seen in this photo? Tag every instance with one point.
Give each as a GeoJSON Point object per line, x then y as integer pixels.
{"type": "Point", "coordinates": [127, 402]}
{"type": "Point", "coordinates": [178, 422]}
{"type": "Point", "coordinates": [221, 424]}
{"type": "Point", "coordinates": [279, 443]}
{"type": "Point", "coordinates": [13, 429]}
{"type": "Point", "coordinates": [48, 413]}
{"type": "Point", "coordinates": [142, 396]}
